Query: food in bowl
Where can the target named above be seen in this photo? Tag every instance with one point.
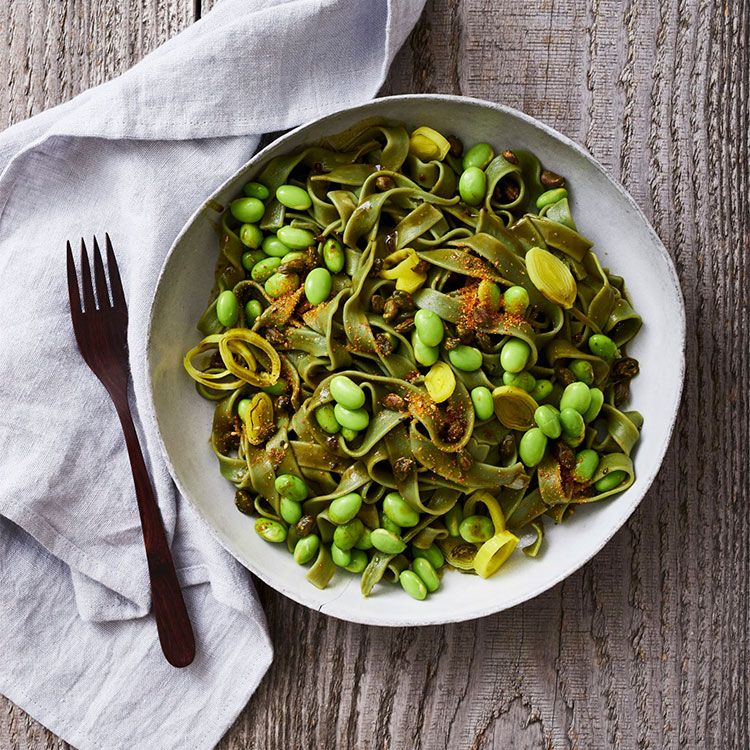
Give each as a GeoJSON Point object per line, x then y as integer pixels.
{"type": "Point", "coordinates": [417, 359]}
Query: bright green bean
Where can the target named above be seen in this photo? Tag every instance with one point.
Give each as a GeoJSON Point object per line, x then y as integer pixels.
{"type": "Point", "coordinates": [358, 562]}
{"type": "Point", "coordinates": [514, 355]}
{"type": "Point", "coordinates": [227, 308]}
{"type": "Point", "coordinates": [333, 255]}
{"type": "Point", "coordinates": [325, 416]}
{"type": "Point", "coordinates": [573, 427]}
{"type": "Point", "coordinates": [432, 553]}
{"type": "Point", "coordinates": [423, 568]}
{"type": "Point", "coordinates": [489, 294]}
{"type": "Point", "coordinates": [399, 511]}
{"type": "Point", "coordinates": [479, 155]}
{"type": "Point", "coordinates": [264, 269]}
{"type": "Point", "coordinates": [341, 557]}
{"type": "Point", "coordinates": [354, 419]}
{"type": "Point", "coordinates": [603, 346]}
{"type": "Point", "coordinates": [476, 529]}
{"type": "Point", "coordinates": [344, 508]}
{"type": "Point", "coordinates": [294, 238]}
{"type": "Point", "coordinates": [251, 257]}
{"type": "Point", "coordinates": [425, 355]}
{"type": "Point", "coordinates": [532, 446]}
{"type": "Point", "coordinates": [293, 197]}
{"type": "Point", "coordinates": [551, 196]}
{"type": "Point", "coordinates": [481, 399]}
{"type": "Point", "coordinates": [597, 400]}
{"type": "Point", "coordinates": [256, 190]}
{"type": "Point", "coordinates": [290, 511]}
{"type": "Point", "coordinates": [429, 327]}
{"type": "Point", "coordinates": [306, 549]}
{"type": "Point", "coordinates": [576, 396]}
{"type": "Point", "coordinates": [516, 300]}
{"type": "Point", "coordinates": [291, 486]}
{"type": "Point", "coordinates": [274, 247]}
{"type": "Point", "coordinates": [472, 186]}
{"type": "Point", "coordinates": [523, 380]}
{"type": "Point", "coordinates": [346, 535]}
{"type": "Point", "coordinates": [247, 210]}
{"type": "Point", "coordinates": [413, 585]}
{"type": "Point", "coordinates": [610, 481]}
{"type": "Point", "coordinates": [280, 284]}
{"type": "Point", "coordinates": [318, 285]}
{"type": "Point", "coordinates": [347, 393]}
{"type": "Point", "coordinates": [587, 462]}
{"type": "Point", "coordinates": [582, 370]}
{"type": "Point", "coordinates": [386, 541]}
{"type": "Point", "coordinates": [542, 390]}
{"type": "Point", "coordinates": [251, 236]}
{"type": "Point", "coordinates": [466, 358]}
{"type": "Point", "coordinates": [547, 419]}
{"type": "Point", "coordinates": [270, 530]}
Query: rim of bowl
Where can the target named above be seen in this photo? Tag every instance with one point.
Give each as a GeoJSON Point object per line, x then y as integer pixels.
{"type": "Point", "coordinates": [627, 508]}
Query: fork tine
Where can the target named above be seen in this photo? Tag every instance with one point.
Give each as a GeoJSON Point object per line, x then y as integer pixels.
{"type": "Point", "coordinates": [118, 295]}
{"type": "Point", "coordinates": [73, 293]}
{"type": "Point", "coordinates": [100, 280]}
{"type": "Point", "coordinates": [89, 303]}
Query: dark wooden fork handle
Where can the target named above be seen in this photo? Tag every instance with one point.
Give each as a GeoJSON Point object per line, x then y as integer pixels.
{"type": "Point", "coordinates": [172, 621]}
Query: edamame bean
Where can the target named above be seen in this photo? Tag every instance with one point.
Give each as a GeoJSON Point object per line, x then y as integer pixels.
{"type": "Point", "coordinates": [547, 419]}
{"type": "Point", "coordinates": [341, 557]}
{"type": "Point", "coordinates": [354, 419]}
{"type": "Point", "coordinates": [291, 486]}
{"type": "Point", "coordinates": [227, 308]}
{"type": "Point", "coordinates": [306, 548]}
{"type": "Point", "coordinates": [425, 355]}
{"type": "Point", "coordinates": [318, 285]}
{"type": "Point", "coordinates": [242, 406]}
{"type": "Point", "coordinates": [325, 416]}
{"type": "Point", "coordinates": [423, 568]}
{"type": "Point", "coordinates": [514, 355]}
{"type": "Point", "coordinates": [293, 197]}
{"type": "Point", "coordinates": [413, 585]}
{"type": "Point", "coordinates": [364, 541]}
{"type": "Point", "coordinates": [348, 434]}
{"type": "Point", "coordinates": [576, 396]}
{"type": "Point", "coordinates": [582, 370]}
{"type": "Point", "coordinates": [346, 392]}
{"type": "Point", "coordinates": [251, 257]}
{"type": "Point", "coordinates": [264, 269]}
{"type": "Point", "coordinates": [573, 426]}
{"type": "Point", "coordinates": [293, 255]}
{"type": "Point", "coordinates": [489, 294]}
{"type": "Point", "coordinates": [276, 389]}
{"type": "Point", "coordinates": [270, 530]}
{"type": "Point", "coordinates": [256, 190]}
{"type": "Point", "coordinates": [465, 358]}
{"type": "Point", "coordinates": [481, 399]}
{"type": "Point", "coordinates": [587, 462]}
{"type": "Point", "coordinates": [290, 511]}
{"type": "Point", "coordinates": [251, 236]}
{"type": "Point", "coordinates": [542, 390]}
{"type": "Point", "coordinates": [429, 327]}
{"type": "Point", "coordinates": [386, 541]}
{"type": "Point", "coordinates": [603, 346]}
{"type": "Point", "coordinates": [597, 401]}
{"type": "Point", "coordinates": [333, 255]}
{"type": "Point", "coordinates": [610, 481]}
{"type": "Point", "coordinates": [399, 511]}
{"type": "Point", "coordinates": [532, 446]}
{"type": "Point", "coordinates": [551, 196]}
{"type": "Point", "coordinates": [452, 520]}
{"type": "Point", "coordinates": [347, 535]}
{"type": "Point", "coordinates": [432, 553]}
{"type": "Point", "coordinates": [344, 508]}
{"type": "Point", "coordinates": [274, 247]}
{"type": "Point", "coordinates": [472, 185]}
{"type": "Point", "coordinates": [390, 525]}
{"type": "Point", "coordinates": [479, 155]}
{"type": "Point", "coordinates": [516, 300]}
{"type": "Point", "coordinates": [247, 210]}
{"type": "Point", "coordinates": [294, 238]}
{"type": "Point", "coordinates": [358, 563]}
{"type": "Point", "coordinates": [476, 529]}
{"type": "Point", "coordinates": [280, 284]}
{"type": "Point", "coordinates": [523, 380]}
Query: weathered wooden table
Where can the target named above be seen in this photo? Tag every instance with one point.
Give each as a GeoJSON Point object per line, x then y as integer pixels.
{"type": "Point", "coordinates": [647, 645]}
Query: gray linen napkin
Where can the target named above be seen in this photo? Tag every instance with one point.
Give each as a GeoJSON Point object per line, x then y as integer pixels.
{"type": "Point", "coordinates": [133, 157]}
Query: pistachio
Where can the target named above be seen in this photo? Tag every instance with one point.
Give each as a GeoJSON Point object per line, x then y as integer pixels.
{"type": "Point", "coordinates": [390, 310]}
{"type": "Point", "coordinates": [550, 179]}
{"type": "Point", "coordinates": [456, 147]}
{"type": "Point", "coordinates": [393, 402]}
{"type": "Point", "coordinates": [509, 156]}
{"type": "Point", "coordinates": [377, 304]}
{"type": "Point", "coordinates": [551, 277]}
{"type": "Point", "coordinates": [384, 182]}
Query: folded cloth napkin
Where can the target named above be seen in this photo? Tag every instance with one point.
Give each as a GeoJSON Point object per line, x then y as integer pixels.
{"type": "Point", "coordinates": [133, 157]}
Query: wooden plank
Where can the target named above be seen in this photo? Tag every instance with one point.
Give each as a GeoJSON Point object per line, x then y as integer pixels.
{"type": "Point", "coordinates": [647, 645]}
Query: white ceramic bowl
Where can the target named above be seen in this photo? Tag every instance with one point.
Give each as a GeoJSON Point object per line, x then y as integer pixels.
{"type": "Point", "coordinates": [604, 212]}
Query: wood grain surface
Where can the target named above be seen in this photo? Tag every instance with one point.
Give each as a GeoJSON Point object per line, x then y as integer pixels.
{"type": "Point", "coordinates": [647, 645]}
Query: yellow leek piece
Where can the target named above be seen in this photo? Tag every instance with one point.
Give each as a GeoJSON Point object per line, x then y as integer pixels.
{"type": "Point", "coordinates": [400, 266]}
{"type": "Point", "coordinates": [428, 145]}
{"type": "Point", "coordinates": [233, 343]}
{"type": "Point", "coordinates": [551, 277]}
{"type": "Point", "coordinates": [440, 382]}
{"type": "Point", "coordinates": [494, 552]}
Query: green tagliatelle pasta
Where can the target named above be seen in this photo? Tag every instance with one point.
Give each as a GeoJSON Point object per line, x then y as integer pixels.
{"type": "Point", "coordinates": [417, 358]}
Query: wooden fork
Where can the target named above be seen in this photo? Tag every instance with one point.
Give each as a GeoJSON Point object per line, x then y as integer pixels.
{"type": "Point", "coordinates": [101, 333]}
